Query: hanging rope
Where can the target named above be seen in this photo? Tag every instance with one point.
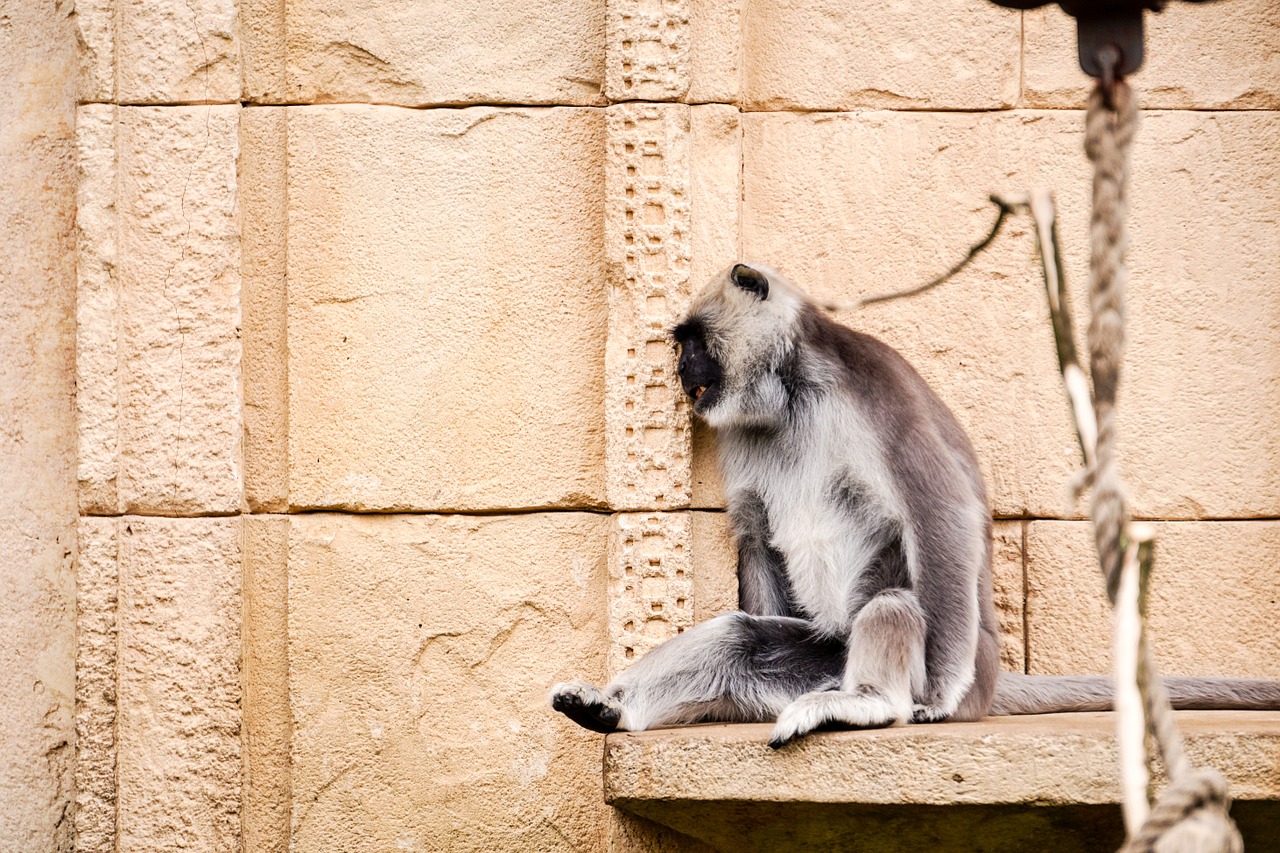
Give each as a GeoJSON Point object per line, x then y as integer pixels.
{"type": "Point", "coordinates": [1191, 815]}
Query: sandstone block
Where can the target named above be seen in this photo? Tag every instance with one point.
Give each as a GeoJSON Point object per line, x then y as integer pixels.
{"type": "Point", "coordinates": [715, 54]}
{"type": "Point", "coordinates": [546, 52]}
{"type": "Point", "coordinates": [160, 311]}
{"type": "Point", "coordinates": [421, 649]}
{"type": "Point", "coordinates": [811, 55]}
{"type": "Point", "coordinates": [154, 52]}
{"type": "Point", "coordinates": [97, 584]}
{"type": "Point", "coordinates": [446, 308]}
{"type": "Point", "coordinates": [1008, 588]}
{"type": "Point", "coordinates": [1197, 57]}
{"type": "Point", "coordinates": [264, 306]}
{"type": "Point", "coordinates": [715, 565]}
{"type": "Point", "coordinates": [267, 732]}
{"type": "Point", "coordinates": [647, 57]}
{"type": "Point", "coordinates": [1212, 608]}
{"type": "Point", "coordinates": [178, 725]}
{"type": "Point", "coordinates": [1193, 431]}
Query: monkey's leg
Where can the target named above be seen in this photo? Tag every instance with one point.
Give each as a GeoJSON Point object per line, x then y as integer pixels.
{"type": "Point", "coordinates": [734, 668]}
{"type": "Point", "coordinates": [884, 668]}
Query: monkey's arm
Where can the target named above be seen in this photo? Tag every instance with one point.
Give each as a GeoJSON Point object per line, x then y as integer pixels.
{"type": "Point", "coordinates": [762, 574]}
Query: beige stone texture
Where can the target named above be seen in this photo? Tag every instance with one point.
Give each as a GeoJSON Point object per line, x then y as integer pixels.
{"type": "Point", "coordinates": [446, 308]}
{"type": "Point", "coordinates": [97, 640]}
{"type": "Point", "coordinates": [159, 315]}
{"type": "Point", "coordinates": [264, 306]}
{"type": "Point", "coordinates": [651, 588]}
{"type": "Point", "coordinates": [1009, 592]}
{"type": "Point", "coordinates": [1019, 783]}
{"type": "Point", "coordinates": [629, 833]}
{"type": "Point", "coordinates": [1213, 605]}
{"type": "Point", "coordinates": [263, 51]}
{"type": "Point", "coordinates": [815, 55]}
{"type": "Point", "coordinates": [855, 205]}
{"type": "Point", "coordinates": [158, 52]}
{"type": "Point", "coordinates": [489, 52]}
{"type": "Point", "coordinates": [97, 312]}
{"type": "Point", "coordinates": [420, 652]}
{"type": "Point", "coordinates": [715, 565]}
{"type": "Point", "coordinates": [178, 765]}
{"type": "Point", "coordinates": [266, 807]}
{"type": "Point", "coordinates": [715, 55]}
{"type": "Point", "coordinates": [37, 426]}
{"type": "Point", "coordinates": [1197, 56]}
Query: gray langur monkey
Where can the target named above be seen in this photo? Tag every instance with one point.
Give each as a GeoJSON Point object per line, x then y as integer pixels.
{"type": "Point", "coordinates": [864, 545]}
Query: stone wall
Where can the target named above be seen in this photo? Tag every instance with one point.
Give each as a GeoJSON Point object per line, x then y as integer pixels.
{"type": "Point", "coordinates": [378, 427]}
{"type": "Point", "coordinates": [37, 424]}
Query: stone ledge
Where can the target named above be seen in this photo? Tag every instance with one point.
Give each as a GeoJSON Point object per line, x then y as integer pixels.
{"type": "Point", "coordinates": [1016, 782]}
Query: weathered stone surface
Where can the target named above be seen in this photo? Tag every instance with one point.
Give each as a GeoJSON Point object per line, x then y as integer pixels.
{"type": "Point", "coordinates": [630, 833]}
{"type": "Point", "coordinates": [160, 311]}
{"type": "Point", "coordinates": [97, 593]}
{"type": "Point", "coordinates": [1213, 605]}
{"type": "Point", "coordinates": [715, 192]}
{"type": "Point", "coordinates": [267, 806]}
{"type": "Point", "coordinates": [1211, 56]}
{"type": "Point", "coordinates": [546, 52]}
{"type": "Point", "coordinates": [715, 565]}
{"type": "Point", "coordinates": [715, 54]}
{"type": "Point", "coordinates": [806, 54]}
{"type": "Point", "coordinates": [651, 588]}
{"type": "Point", "coordinates": [1008, 582]}
{"type": "Point", "coordinates": [446, 308]}
{"type": "Point", "coordinates": [1012, 781]}
{"type": "Point", "coordinates": [97, 312]}
{"type": "Point", "coordinates": [420, 652]}
{"type": "Point", "coordinates": [37, 426]}
{"type": "Point", "coordinates": [264, 307]}
{"type": "Point", "coordinates": [263, 50]}
{"type": "Point", "coordinates": [1194, 433]}
{"type": "Point", "coordinates": [647, 54]}
{"type": "Point", "coordinates": [155, 52]}
{"type": "Point", "coordinates": [178, 724]}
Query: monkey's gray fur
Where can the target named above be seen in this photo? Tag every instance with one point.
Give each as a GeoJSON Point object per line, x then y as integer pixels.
{"type": "Point", "coordinates": [864, 544]}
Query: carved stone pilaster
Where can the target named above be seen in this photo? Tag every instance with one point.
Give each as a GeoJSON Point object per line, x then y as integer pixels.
{"type": "Point", "coordinates": [647, 58]}
{"type": "Point", "coordinates": [650, 583]}
{"type": "Point", "coordinates": [648, 238]}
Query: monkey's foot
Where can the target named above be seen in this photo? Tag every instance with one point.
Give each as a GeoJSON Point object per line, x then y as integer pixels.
{"type": "Point", "coordinates": [930, 713]}
{"type": "Point", "coordinates": [834, 709]}
{"type": "Point", "coordinates": [586, 706]}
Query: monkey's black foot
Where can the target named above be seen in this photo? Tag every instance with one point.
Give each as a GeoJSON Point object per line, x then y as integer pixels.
{"type": "Point", "coordinates": [586, 706]}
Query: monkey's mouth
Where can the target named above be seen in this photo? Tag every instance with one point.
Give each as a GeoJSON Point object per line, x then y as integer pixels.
{"type": "Point", "coordinates": [703, 396]}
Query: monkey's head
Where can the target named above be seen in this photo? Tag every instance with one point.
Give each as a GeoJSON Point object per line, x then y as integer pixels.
{"type": "Point", "coordinates": [735, 339]}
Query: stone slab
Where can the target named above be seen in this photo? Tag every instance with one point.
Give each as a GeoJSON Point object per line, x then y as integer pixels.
{"type": "Point", "coordinates": [855, 205]}
{"type": "Point", "coordinates": [264, 307]}
{"type": "Point", "coordinates": [1197, 56]}
{"type": "Point", "coordinates": [97, 641]}
{"type": "Point", "coordinates": [815, 55]}
{"type": "Point", "coordinates": [446, 308]}
{"type": "Point", "coordinates": [1046, 782]}
{"type": "Point", "coordinates": [178, 725]}
{"type": "Point", "coordinates": [488, 52]}
{"type": "Point", "coordinates": [156, 52]}
{"type": "Point", "coordinates": [1213, 601]}
{"type": "Point", "coordinates": [421, 649]}
{"type": "Point", "coordinates": [159, 315]}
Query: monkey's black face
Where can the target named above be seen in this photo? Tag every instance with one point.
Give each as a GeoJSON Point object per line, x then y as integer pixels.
{"type": "Point", "coordinates": [700, 373]}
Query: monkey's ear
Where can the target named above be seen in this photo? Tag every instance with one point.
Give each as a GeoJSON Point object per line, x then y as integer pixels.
{"type": "Point", "coordinates": [752, 281]}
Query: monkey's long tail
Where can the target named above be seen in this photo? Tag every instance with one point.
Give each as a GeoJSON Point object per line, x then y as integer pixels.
{"type": "Point", "coordinates": [1049, 694]}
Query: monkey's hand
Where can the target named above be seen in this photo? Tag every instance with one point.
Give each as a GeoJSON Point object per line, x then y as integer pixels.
{"type": "Point", "coordinates": [586, 706]}
{"type": "Point", "coordinates": [835, 709]}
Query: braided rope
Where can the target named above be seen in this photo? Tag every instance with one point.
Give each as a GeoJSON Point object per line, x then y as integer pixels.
{"type": "Point", "coordinates": [1191, 814]}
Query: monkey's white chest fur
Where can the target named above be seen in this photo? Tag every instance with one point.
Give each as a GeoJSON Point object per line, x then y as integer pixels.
{"type": "Point", "coordinates": [826, 539]}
